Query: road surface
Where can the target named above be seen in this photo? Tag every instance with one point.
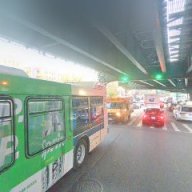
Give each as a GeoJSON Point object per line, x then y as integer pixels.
{"type": "Point", "coordinates": [134, 158]}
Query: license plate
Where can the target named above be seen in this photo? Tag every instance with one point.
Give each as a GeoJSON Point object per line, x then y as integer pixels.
{"type": "Point", "coordinates": [153, 118]}
{"type": "Point", "coordinates": [110, 119]}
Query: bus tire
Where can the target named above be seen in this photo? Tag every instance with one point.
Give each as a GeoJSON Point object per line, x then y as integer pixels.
{"type": "Point", "coordinates": [80, 153]}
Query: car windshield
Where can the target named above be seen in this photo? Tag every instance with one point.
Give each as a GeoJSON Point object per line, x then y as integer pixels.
{"type": "Point", "coordinates": [153, 111]}
{"type": "Point", "coordinates": [187, 109]}
{"type": "Point", "coordinates": [114, 105]}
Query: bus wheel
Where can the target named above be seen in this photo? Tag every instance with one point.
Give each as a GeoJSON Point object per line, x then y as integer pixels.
{"type": "Point", "coordinates": [80, 153]}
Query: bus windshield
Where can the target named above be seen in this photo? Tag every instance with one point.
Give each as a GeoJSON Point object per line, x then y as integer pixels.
{"type": "Point", "coordinates": [114, 105]}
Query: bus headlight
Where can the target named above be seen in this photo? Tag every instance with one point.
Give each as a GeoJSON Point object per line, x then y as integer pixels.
{"type": "Point", "coordinates": [118, 114]}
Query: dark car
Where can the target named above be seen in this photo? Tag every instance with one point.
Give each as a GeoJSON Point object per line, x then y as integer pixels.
{"type": "Point", "coordinates": [153, 116]}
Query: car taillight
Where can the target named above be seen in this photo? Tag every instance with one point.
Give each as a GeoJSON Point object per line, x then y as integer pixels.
{"type": "Point", "coordinates": [144, 116]}
{"type": "Point", "coordinates": [161, 117]}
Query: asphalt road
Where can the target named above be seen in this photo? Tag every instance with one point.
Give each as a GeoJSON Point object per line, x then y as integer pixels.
{"type": "Point", "coordinates": [134, 158]}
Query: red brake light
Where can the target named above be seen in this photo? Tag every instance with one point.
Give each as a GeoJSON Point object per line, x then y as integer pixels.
{"type": "Point", "coordinates": [161, 117]}
{"type": "Point", "coordinates": [144, 116]}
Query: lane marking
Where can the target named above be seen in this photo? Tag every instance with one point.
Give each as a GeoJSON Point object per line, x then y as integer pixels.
{"type": "Point", "coordinates": [132, 121]}
{"type": "Point", "coordinates": [164, 128]}
{"type": "Point", "coordinates": [188, 128]}
{"type": "Point", "coordinates": [151, 127]}
{"type": "Point", "coordinates": [139, 124]}
{"type": "Point", "coordinates": [175, 127]}
{"type": "Point", "coordinates": [136, 119]}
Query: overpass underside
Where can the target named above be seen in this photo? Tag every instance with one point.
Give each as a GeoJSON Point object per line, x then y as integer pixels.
{"type": "Point", "coordinates": [119, 39]}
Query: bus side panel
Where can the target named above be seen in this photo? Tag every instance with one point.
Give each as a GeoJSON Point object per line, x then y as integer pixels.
{"type": "Point", "coordinates": [96, 128]}
{"type": "Point", "coordinates": [105, 129]}
{"type": "Point", "coordinates": [95, 138]}
{"type": "Point", "coordinates": [69, 147]}
{"type": "Point", "coordinates": [93, 134]}
{"type": "Point", "coordinates": [14, 174]}
{"type": "Point", "coordinates": [39, 172]}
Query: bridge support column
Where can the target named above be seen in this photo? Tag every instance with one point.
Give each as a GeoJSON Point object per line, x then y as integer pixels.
{"type": "Point", "coordinates": [190, 96]}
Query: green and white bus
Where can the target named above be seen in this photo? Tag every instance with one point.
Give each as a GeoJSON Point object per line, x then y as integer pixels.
{"type": "Point", "coordinates": [46, 129]}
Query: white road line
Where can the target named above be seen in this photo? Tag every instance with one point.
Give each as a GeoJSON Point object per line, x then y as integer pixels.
{"type": "Point", "coordinates": [132, 121]}
{"type": "Point", "coordinates": [151, 127]}
{"type": "Point", "coordinates": [188, 128]}
{"type": "Point", "coordinates": [139, 124]}
{"type": "Point", "coordinates": [136, 113]}
{"type": "Point", "coordinates": [164, 128]}
{"type": "Point", "coordinates": [175, 127]}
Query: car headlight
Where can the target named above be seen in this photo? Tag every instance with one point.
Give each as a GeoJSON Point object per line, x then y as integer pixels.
{"type": "Point", "coordinates": [118, 114]}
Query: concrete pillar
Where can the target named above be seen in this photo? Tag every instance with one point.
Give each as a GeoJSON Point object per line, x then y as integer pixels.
{"type": "Point", "coordinates": [190, 96]}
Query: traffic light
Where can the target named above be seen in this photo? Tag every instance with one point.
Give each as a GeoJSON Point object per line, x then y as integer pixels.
{"type": "Point", "coordinates": [124, 79]}
{"type": "Point", "coordinates": [158, 76]}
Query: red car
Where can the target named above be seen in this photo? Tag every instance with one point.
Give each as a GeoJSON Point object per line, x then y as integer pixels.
{"type": "Point", "coordinates": [153, 116]}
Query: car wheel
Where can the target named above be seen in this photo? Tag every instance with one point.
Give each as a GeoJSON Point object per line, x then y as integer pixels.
{"type": "Point", "coordinates": [80, 153]}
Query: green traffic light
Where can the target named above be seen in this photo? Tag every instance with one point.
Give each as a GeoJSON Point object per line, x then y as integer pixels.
{"type": "Point", "coordinates": [158, 76]}
{"type": "Point", "coordinates": [124, 79]}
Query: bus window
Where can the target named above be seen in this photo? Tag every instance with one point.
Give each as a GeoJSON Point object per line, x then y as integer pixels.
{"type": "Point", "coordinates": [80, 114]}
{"type": "Point", "coordinates": [97, 115]}
{"type": "Point", "coordinates": [45, 124]}
{"type": "Point", "coordinates": [80, 102]}
{"type": "Point", "coordinates": [6, 134]}
{"type": "Point", "coordinates": [114, 105]}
